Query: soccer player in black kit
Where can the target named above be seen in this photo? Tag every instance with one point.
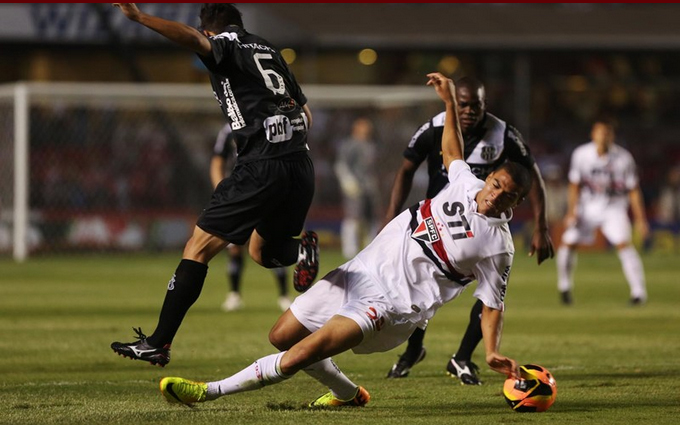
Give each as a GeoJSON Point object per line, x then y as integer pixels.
{"type": "Point", "coordinates": [488, 142]}
{"type": "Point", "coordinates": [268, 194]}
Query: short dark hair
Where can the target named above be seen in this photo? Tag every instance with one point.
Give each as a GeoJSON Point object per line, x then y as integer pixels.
{"type": "Point", "coordinates": [471, 83]}
{"type": "Point", "coordinates": [520, 175]}
{"type": "Point", "coordinates": [216, 17]}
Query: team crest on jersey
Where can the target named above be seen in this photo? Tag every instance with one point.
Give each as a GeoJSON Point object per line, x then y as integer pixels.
{"type": "Point", "coordinates": [286, 105]}
{"type": "Point", "coordinates": [488, 153]}
{"type": "Point", "coordinates": [426, 231]}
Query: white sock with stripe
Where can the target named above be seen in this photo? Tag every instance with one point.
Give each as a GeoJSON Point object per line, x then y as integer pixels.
{"type": "Point", "coordinates": [262, 372]}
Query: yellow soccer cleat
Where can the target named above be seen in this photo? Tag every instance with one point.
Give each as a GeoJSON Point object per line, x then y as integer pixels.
{"type": "Point", "coordinates": [184, 391]}
{"type": "Point", "coordinates": [360, 399]}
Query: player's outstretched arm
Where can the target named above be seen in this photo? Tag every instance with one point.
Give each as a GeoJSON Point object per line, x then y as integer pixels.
{"type": "Point", "coordinates": [181, 34]}
{"type": "Point", "coordinates": [541, 237]}
{"type": "Point", "coordinates": [491, 324]}
{"type": "Point", "coordinates": [452, 140]}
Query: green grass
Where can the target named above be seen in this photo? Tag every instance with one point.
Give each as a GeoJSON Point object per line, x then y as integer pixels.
{"type": "Point", "coordinates": [613, 363]}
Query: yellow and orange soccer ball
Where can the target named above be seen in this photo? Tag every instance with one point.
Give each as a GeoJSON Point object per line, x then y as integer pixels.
{"type": "Point", "coordinates": [534, 392]}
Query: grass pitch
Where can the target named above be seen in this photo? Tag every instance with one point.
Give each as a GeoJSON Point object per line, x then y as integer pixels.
{"type": "Point", "coordinates": [613, 363]}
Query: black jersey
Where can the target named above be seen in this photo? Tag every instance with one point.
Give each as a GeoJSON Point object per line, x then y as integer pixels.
{"type": "Point", "coordinates": [258, 94]}
{"type": "Point", "coordinates": [490, 145]}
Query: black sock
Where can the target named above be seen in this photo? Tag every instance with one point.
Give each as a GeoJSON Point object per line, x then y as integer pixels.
{"type": "Point", "coordinates": [473, 334]}
{"type": "Point", "coordinates": [183, 290]}
{"type": "Point", "coordinates": [280, 274]}
{"type": "Point", "coordinates": [280, 254]}
{"type": "Point", "coordinates": [415, 343]}
{"type": "Point", "coordinates": [236, 265]}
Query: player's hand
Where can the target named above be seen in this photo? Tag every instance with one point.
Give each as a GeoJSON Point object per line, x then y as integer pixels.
{"type": "Point", "coordinates": [130, 10]}
{"type": "Point", "coordinates": [444, 87]}
{"type": "Point", "coordinates": [504, 365]}
{"type": "Point", "coordinates": [350, 187]}
{"type": "Point", "coordinates": [541, 245]}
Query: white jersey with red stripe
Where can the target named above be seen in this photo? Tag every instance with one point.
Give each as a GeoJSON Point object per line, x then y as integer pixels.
{"type": "Point", "coordinates": [605, 180]}
{"type": "Point", "coordinates": [427, 255]}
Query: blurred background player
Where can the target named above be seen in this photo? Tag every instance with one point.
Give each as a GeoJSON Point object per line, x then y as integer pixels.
{"type": "Point", "coordinates": [603, 182]}
{"type": "Point", "coordinates": [266, 198]}
{"type": "Point", "coordinates": [221, 164]}
{"type": "Point", "coordinates": [488, 142]}
{"type": "Point", "coordinates": [356, 170]}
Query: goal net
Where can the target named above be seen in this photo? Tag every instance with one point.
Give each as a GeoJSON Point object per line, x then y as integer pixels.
{"type": "Point", "coordinates": [126, 166]}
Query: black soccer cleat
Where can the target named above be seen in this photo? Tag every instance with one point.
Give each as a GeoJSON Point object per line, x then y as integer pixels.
{"type": "Point", "coordinates": [405, 363]}
{"type": "Point", "coordinates": [141, 350]}
{"type": "Point", "coordinates": [466, 371]}
{"type": "Point", "coordinates": [308, 262]}
{"type": "Point", "coordinates": [566, 297]}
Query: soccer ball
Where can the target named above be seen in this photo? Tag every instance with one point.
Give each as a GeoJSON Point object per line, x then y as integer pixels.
{"type": "Point", "coordinates": [534, 392]}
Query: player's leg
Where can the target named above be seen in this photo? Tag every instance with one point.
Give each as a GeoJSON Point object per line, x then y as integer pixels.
{"type": "Point", "coordinates": [234, 273]}
{"type": "Point", "coordinates": [283, 301]}
{"type": "Point", "coordinates": [460, 365]}
{"type": "Point", "coordinates": [566, 257]}
{"type": "Point", "coordinates": [183, 290]}
{"type": "Point", "coordinates": [274, 242]}
{"type": "Point", "coordinates": [414, 353]}
{"type": "Point", "coordinates": [617, 230]}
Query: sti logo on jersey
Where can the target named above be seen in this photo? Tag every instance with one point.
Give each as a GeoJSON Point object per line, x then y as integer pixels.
{"type": "Point", "coordinates": [278, 129]}
{"type": "Point", "coordinates": [427, 231]}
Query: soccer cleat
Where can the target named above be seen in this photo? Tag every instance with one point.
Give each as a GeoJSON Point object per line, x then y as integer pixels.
{"type": "Point", "coordinates": [141, 350]}
{"type": "Point", "coordinates": [404, 364]}
{"type": "Point", "coordinates": [463, 370]}
{"type": "Point", "coordinates": [308, 262]}
{"type": "Point", "coordinates": [566, 297]}
{"type": "Point", "coordinates": [232, 302]}
{"type": "Point", "coordinates": [360, 399]}
{"type": "Point", "coordinates": [184, 391]}
{"type": "Point", "coordinates": [637, 301]}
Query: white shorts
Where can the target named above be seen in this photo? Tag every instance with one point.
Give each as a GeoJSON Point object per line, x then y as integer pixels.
{"type": "Point", "coordinates": [348, 292]}
{"type": "Point", "coordinates": [614, 224]}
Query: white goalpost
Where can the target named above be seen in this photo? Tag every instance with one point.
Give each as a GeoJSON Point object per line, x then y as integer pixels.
{"type": "Point", "coordinates": [111, 166]}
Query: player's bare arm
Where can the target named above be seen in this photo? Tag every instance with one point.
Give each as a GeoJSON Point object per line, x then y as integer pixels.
{"type": "Point", "coordinates": [452, 140]}
{"type": "Point", "coordinates": [639, 212]}
{"type": "Point", "coordinates": [179, 33]}
{"type": "Point", "coordinates": [573, 197]}
{"type": "Point", "coordinates": [541, 238]}
{"type": "Point", "coordinates": [491, 324]}
{"type": "Point", "coordinates": [308, 115]}
{"type": "Point", "coordinates": [217, 170]}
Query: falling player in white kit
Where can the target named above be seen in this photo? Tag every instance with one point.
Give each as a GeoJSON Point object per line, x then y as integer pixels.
{"type": "Point", "coordinates": [603, 183]}
{"type": "Point", "coordinates": [422, 259]}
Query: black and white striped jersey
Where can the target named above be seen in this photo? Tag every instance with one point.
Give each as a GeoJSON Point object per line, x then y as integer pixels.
{"type": "Point", "coordinates": [491, 144]}
{"type": "Point", "coordinates": [258, 95]}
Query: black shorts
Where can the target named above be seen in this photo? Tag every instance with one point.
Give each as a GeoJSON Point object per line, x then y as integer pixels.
{"type": "Point", "coordinates": [270, 195]}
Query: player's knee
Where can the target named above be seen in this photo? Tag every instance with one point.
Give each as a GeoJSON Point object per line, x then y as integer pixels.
{"type": "Point", "coordinates": [277, 339]}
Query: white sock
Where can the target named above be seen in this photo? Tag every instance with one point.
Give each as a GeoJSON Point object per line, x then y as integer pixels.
{"type": "Point", "coordinates": [327, 373]}
{"type": "Point", "coordinates": [262, 372]}
{"type": "Point", "coordinates": [566, 260]}
{"type": "Point", "coordinates": [633, 271]}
